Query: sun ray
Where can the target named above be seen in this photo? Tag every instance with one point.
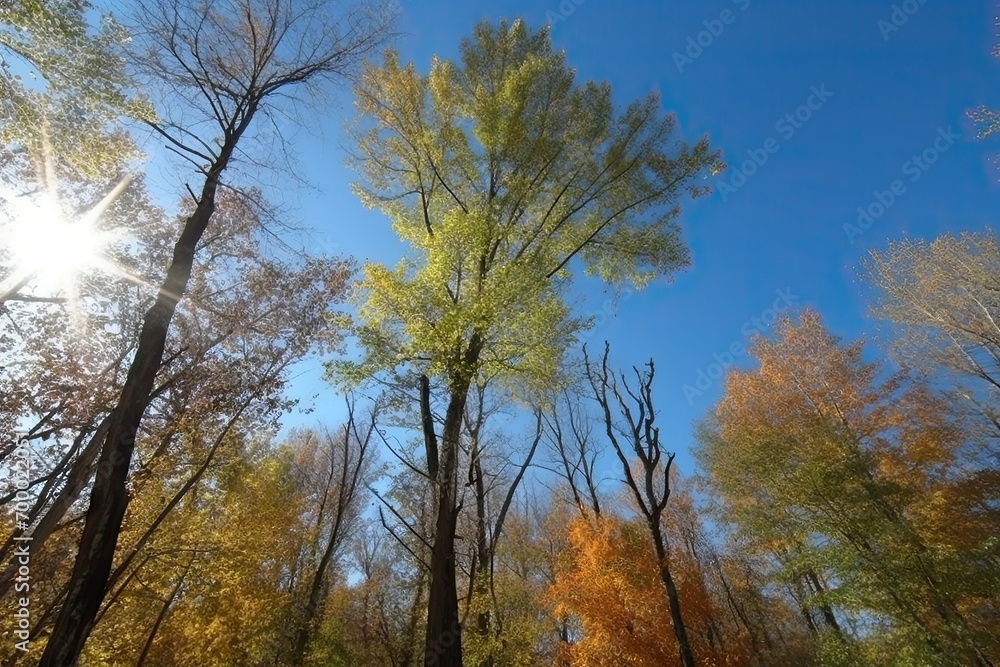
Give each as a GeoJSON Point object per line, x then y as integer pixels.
{"type": "Point", "coordinates": [49, 250]}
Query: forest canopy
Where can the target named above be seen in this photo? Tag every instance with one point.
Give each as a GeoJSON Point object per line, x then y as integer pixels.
{"type": "Point", "coordinates": [494, 466]}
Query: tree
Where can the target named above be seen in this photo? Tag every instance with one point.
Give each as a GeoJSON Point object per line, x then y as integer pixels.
{"type": "Point", "coordinates": [845, 474]}
{"type": "Point", "coordinates": [569, 434]}
{"type": "Point", "coordinates": [377, 621]}
{"type": "Point", "coordinates": [941, 295]}
{"type": "Point", "coordinates": [494, 496]}
{"type": "Point", "coordinates": [251, 317]}
{"type": "Point", "coordinates": [63, 87]}
{"type": "Point", "coordinates": [610, 579]}
{"type": "Point", "coordinates": [89, 319]}
{"type": "Point", "coordinates": [500, 171]}
{"type": "Point", "coordinates": [233, 62]}
{"type": "Point", "coordinates": [236, 589]}
{"type": "Point", "coordinates": [637, 426]}
{"type": "Point", "coordinates": [344, 465]}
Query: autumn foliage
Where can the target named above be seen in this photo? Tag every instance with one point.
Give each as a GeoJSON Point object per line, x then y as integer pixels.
{"type": "Point", "coordinates": [490, 493]}
{"type": "Point", "coordinates": [609, 579]}
{"type": "Point", "coordinates": [848, 477]}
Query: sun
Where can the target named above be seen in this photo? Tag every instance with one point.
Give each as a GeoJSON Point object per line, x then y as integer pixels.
{"type": "Point", "coordinates": [54, 249]}
{"type": "Point", "coordinates": [48, 250]}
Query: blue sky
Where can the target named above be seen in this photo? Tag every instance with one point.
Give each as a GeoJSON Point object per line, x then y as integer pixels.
{"type": "Point", "coordinates": [882, 92]}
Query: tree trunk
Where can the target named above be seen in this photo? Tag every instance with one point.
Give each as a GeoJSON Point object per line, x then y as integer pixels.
{"type": "Point", "coordinates": [673, 601]}
{"type": "Point", "coordinates": [347, 475]}
{"type": "Point", "coordinates": [798, 594]}
{"type": "Point", "coordinates": [162, 616]}
{"type": "Point", "coordinates": [443, 641]}
{"type": "Point", "coordinates": [825, 609]}
{"type": "Point", "coordinates": [738, 611]}
{"type": "Point", "coordinates": [484, 553]}
{"type": "Point", "coordinates": [76, 481]}
{"type": "Point", "coordinates": [307, 625]}
{"type": "Point", "coordinates": [109, 497]}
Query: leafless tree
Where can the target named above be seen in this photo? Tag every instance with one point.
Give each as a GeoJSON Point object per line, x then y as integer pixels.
{"type": "Point", "coordinates": [635, 424]}
{"type": "Point", "coordinates": [569, 434]}
{"type": "Point", "coordinates": [344, 462]}
{"type": "Point", "coordinates": [489, 525]}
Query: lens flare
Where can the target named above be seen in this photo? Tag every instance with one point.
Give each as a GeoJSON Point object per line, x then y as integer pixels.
{"type": "Point", "coordinates": [49, 251]}
{"type": "Point", "coordinates": [51, 248]}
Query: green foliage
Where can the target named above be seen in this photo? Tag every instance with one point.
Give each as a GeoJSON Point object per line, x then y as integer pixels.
{"type": "Point", "coordinates": [63, 85]}
{"type": "Point", "coordinates": [499, 171]}
{"type": "Point", "coordinates": [849, 478]}
{"type": "Point", "coordinates": [517, 618]}
{"type": "Point", "coordinates": [834, 651]}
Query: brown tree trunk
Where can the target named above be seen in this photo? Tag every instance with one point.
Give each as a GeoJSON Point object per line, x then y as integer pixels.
{"type": "Point", "coordinates": [443, 641]}
{"type": "Point", "coordinates": [798, 594]}
{"type": "Point", "coordinates": [347, 485]}
{"type": "Point", "coordinates": [484, 553]}
{"type": "Point", "coordinates": [162, 616]}
{"type": "Point", "coordinates": [738, 611]}
{"type": "Point", "coordinates": [307, 625]}
{"type": "Point", "coordinates": [673, 601]}
{"type": "Point", "coordinates": [109, 497]}
{"type": "Point", "coordinates": [644, 438]}
{"type": "Point", "coordinates": [828, 616]}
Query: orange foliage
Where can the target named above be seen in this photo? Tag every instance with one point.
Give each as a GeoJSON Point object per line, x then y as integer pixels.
{"type": "Point", "coordinates": [608, 579]}
{"type": "Point", "coordinates": [817, 441]}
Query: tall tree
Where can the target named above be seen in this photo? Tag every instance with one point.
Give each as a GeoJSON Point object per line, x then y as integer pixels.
{"type": "Point", "coordinates": [234, 604]}
{"type": "Point", "coordinates": [500, 171]}
{"type": "Point", "coordinates": [251, 317]}
{"type": "Point", "coordinates": [232, 61]}
{"type": "Point", "coordinates": [494, 493]}
{"type": "Point", "coordinates": [344, 465]}
{"type": "Point", "coordinates": [610, 579]}
{"type": "Point", "coordinates": [846, 473]}
{"type": "Point", "coordinates": [629, 412]}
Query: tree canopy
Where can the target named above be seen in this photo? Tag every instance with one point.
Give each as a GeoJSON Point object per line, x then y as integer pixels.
{"type": "Point", "coordinates": [472, 486]}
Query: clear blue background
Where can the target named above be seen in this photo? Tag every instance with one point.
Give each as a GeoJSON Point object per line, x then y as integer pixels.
{"type": "Point", "coordinates": [783, 229]}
